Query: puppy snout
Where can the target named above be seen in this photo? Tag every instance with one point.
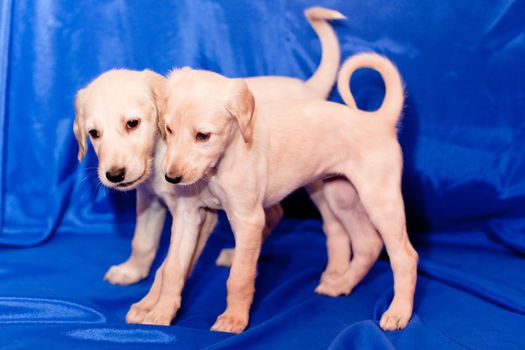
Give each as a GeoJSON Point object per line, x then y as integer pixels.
{"type": "Point", "coordinates": [116, 175]}
{"type": "Point", "coordinates": [173, 180]}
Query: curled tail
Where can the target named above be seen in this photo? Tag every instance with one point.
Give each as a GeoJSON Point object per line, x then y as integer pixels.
{"type": "Point", "coordinates": [394, 91]}
{"type": "Point", "coordinates": [324, 77]}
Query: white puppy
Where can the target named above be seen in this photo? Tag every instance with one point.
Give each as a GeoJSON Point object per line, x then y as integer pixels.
{"type": "Point", "coordinates": [244, 156]}
{"type": "Point", "coordinates": [119, 110]}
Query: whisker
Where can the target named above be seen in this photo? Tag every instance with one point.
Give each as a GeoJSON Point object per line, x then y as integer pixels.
{"type": "Point", "coordinates": [101, 190]}
{"type": "Point", "coordinates": [87, 176]}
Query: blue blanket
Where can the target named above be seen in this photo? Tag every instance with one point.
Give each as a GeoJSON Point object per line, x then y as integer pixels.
{"type": "Point", "coordinates": [463, 137]}
{"type": "Point", "coordinates": [469, 295]}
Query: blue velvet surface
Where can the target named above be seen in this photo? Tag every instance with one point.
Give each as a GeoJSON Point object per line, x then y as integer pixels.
{"type": "Point", "coordinates": [464, 181]}
{"type": "Point", "coordinates": [469, 295]}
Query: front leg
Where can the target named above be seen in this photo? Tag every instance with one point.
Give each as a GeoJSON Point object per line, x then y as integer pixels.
{"type": "Point", "coordinates": [151, 215]}
{"type": "Point", "coordinates": [138, 311]}
{"type": "Point", "coordinates": [187, 221]}
{"type": "Point", "coordinates": [273, 215]}
{"type": "Point", "coordinates": [247, 230]}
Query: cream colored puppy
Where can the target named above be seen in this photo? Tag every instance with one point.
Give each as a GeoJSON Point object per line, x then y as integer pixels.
{"type": "Point", "coordinates": [246, 155]}
{"type": "Point", "coordinates": [119, 111]}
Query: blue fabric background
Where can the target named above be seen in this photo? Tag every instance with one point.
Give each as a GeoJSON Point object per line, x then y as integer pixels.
{"type": "Point", "coordinates": [463, 136]}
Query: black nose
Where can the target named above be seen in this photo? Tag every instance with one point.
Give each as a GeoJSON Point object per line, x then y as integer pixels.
{"type": "Point", "coordinates": [173, 180]}
{"type": "Point", "coordinates": [116, 175]}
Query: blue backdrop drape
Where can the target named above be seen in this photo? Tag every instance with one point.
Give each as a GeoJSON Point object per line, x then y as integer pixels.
{"type": "Point", "coordinates": [463, 136]}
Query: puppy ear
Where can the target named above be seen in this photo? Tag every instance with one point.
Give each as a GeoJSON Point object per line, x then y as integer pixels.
{"type": "Point", "coordinates": [78, 127]}
{"type": "Point", "coordinates": [157, 85]}
{"type": "Point", "coordinates": [161, 125]}
{"type": "Point", "coordinates": [241, 106]}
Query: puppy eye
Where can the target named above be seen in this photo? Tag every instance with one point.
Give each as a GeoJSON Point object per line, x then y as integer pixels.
{"type": "Point", "coordinates": [133, 123]}
{"type": "Point", "coordinates": [94, 133]}
{"type": "Point", "coordinates": [168, 130]}
{"type": "Point", "coordinates": [202, 136]}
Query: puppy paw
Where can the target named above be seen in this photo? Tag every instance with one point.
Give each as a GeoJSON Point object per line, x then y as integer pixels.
{"type": "Point", "coordinates": [332, 274]}
{"type": "Point", "coordinates": [396, 317]}
{"type": "Point", "coordinates": [125, 274]}
{"type": "Point", "coordinates": [230, 322]}
{"type": "Point", "coordinates": [136, 314]}
{"type": "Point", "coordinates": [225, 258]}
{"type": "Point", "coordinates": [334, 285]}
{"type": "Point", "coordinates": [159, 316]}
{"type": "Point", "coordinates": [162, 313]}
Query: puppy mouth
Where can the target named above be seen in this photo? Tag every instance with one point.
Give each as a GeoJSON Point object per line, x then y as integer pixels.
{"type": "Point", "coordinates": [130, 184]}
{"type": "Point", "coordinates": [193, 180]}
{"type": "Point", "coordinates": [188, 183]}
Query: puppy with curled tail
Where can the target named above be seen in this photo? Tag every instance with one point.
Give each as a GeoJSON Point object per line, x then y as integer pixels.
{"type": "Point", "coordinates": [160, 305]}
{"type": "Point", "coordinates": [253, 153]}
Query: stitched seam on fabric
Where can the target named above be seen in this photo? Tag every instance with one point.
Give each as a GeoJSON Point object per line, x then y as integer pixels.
{"type": "Point", "coordinates": [6, 13]}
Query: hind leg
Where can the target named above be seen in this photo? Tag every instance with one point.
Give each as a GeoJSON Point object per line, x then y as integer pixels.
{"type": "Point", "coordinates": [207, 227]}
{"type": "Point", "coordinates": [337, 239]}
{"type": "Point", "coordinates": [379, 188]}
{"type": "Point", "coordinates": [366, 243]}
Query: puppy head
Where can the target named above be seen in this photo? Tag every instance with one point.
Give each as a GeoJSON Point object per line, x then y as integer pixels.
{"type": "Point", "coordinates": [205, 113]}
{"type": "Point", "coordinates": [119, 112]}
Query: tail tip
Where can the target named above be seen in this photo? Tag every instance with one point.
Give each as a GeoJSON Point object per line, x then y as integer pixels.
{"type": "Point", "coordinates": [321, 13]}
{"type": "Point", "coordinates": [338, 16]}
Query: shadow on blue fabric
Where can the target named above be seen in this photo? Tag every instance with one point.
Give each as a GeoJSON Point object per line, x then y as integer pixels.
{"type": "Point", "coordinates": [463, 136]}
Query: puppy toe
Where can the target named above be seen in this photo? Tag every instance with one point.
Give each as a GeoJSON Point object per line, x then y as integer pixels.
{"type": "Point", "coordinates": [333, 287]}
{"type": "Point", "coordinates": [162, 313]}
{"type": "Point", "coordinates": [136, 314]}
{"type": "Point", "coordinates": [332, 274]}
{"type": "Point", "coordinates": [225, 257]}
{"type": "Point", "coordinates": [322, 289]}
{"type": "Point", "coordinates": [124, 274]}
{"type": "Point", "coordinates": [394, 319]}
{"type": "Point", "coordinates": [157, 318]}
{"type": "Point", "coordinates": [230, 323]}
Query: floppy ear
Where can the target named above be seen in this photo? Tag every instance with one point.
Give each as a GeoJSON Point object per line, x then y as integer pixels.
{"type": "Point", "coordinates": [241, 106]}
{"type": "Point", "coordinates": [157, 85]}
{"type": "Point", "coordinates": [78, 127]}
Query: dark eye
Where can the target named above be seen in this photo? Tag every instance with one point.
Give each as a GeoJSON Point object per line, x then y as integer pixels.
{"type": "Point", "coordinates": [202, 136]}
{"type": "Point", "coordinates": [168, 130]}
{"type": "Point", "coordinates": [94, 133]}
{"type": "Point", "coordinates": [133, 123]}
